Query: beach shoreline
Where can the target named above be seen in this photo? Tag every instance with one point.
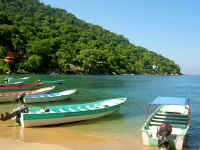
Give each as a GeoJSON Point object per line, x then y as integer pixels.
{"type": "Point", "coordinates": [15, 137]}
{"type": "Point", "coordinates": [10, 144]}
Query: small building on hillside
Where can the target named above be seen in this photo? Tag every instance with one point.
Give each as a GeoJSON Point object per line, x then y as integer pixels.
{"type": "Point", "coordinates": [12, 57]}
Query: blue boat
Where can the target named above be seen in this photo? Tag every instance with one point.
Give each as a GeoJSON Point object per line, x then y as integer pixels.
{"type": "Point", "coordinates": [35, 98]}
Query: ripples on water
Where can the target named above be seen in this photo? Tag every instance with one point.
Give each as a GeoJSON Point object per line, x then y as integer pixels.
{"type": "Point", "coordinates": [140, 90]}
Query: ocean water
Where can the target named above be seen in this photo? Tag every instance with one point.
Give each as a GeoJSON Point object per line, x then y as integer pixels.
{"type": "Point", "coordinates": [139, 89]}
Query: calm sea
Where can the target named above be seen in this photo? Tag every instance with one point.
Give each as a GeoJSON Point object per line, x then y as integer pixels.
{"type": "Point", "coordinates": [140, 90]}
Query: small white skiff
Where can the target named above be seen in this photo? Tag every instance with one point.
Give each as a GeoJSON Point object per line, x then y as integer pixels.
{"type": "Point", "coordinates": [12, 96]}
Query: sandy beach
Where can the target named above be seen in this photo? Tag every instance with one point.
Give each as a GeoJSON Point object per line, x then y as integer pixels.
{"type": "Point", "coordinates": [14, 137]}
{"type": "Point", "coordinates": [9, 144]}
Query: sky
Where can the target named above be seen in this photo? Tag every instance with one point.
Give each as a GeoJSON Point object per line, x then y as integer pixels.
{"type": "Point", "coordinates": [168, 27]}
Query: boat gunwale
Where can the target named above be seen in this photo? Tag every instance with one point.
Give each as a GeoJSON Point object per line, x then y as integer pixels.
{"type": "Point", "coordinates": [20, 85]}
{"type": "Point", "coordinates": [50, 95]}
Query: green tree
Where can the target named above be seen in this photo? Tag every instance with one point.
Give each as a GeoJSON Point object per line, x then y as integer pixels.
{"type": "Point", "coordinates": [55, 39]}
{"type": "Point", "coordinates": [34, 63]}
{"type": "Point", "coordinates": [93, 61]}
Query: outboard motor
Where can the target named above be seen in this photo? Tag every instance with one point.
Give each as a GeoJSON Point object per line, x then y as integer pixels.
{"type": "Point", "coordinates": [16, 112]}
{"type": "Point", "coordinates": [163, 134]}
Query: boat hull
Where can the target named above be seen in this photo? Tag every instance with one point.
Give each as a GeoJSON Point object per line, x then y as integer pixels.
{"type": "Point", "coordinates": [55, 121]}
{"type": "Point", "coordinates": [12, 96]}
{"type": "Point", "coordinates": [69, 113]}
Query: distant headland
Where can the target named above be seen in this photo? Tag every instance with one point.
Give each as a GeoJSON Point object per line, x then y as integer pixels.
{"type": "Point", "coordinates": [36, 38]}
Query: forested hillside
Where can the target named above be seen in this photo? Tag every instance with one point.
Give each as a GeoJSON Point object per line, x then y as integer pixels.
{"type": "Point", "coordinates": [52, 39]}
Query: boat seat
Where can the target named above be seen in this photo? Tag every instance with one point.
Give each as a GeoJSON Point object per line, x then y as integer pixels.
{"type": "Point", "coordinates": [90, 108]}
{"type": "Point", "coordinates": [170, 121]}
{"type": "Point", "coordinates": [72, 110]}
{"type": "Point", "coordinates": [51, 111]}
{"type": "Point", "coordinates": [40, 112]}
{"type": "Point", "coordinates": [99, 106]}
{"type": "Point", "coordinates": [171, 114]}
{"type": "Point", "coordinates": [173, 125]}
{"type": "Point", "coordinates": [112, 103]}
{"type": "Point", "coordinates": [61, 110]}
{"type": "Point", "coordinates": [179, 109]}
{"type": "Point", "coordinates": [169, 117]}
{"type": "Point", "coordinates": [81, 109]}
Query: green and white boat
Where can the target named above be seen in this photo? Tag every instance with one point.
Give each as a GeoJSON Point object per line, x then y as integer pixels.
{"type": "Point", "coordinates": [53, 115]}
{"type": "Point", "coordinates": [168, 114]}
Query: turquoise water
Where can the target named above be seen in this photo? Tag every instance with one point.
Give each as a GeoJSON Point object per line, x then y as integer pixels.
{"type": "Point", "coordinates": [140, 90]}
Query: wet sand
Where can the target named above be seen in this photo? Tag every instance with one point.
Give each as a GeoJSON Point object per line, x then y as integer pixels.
{"type": "Point", "coordinates": [13, 137]}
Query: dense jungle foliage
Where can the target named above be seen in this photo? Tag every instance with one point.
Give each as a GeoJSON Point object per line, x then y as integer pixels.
{"type": "Point", "coordinates": [54, 40]}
